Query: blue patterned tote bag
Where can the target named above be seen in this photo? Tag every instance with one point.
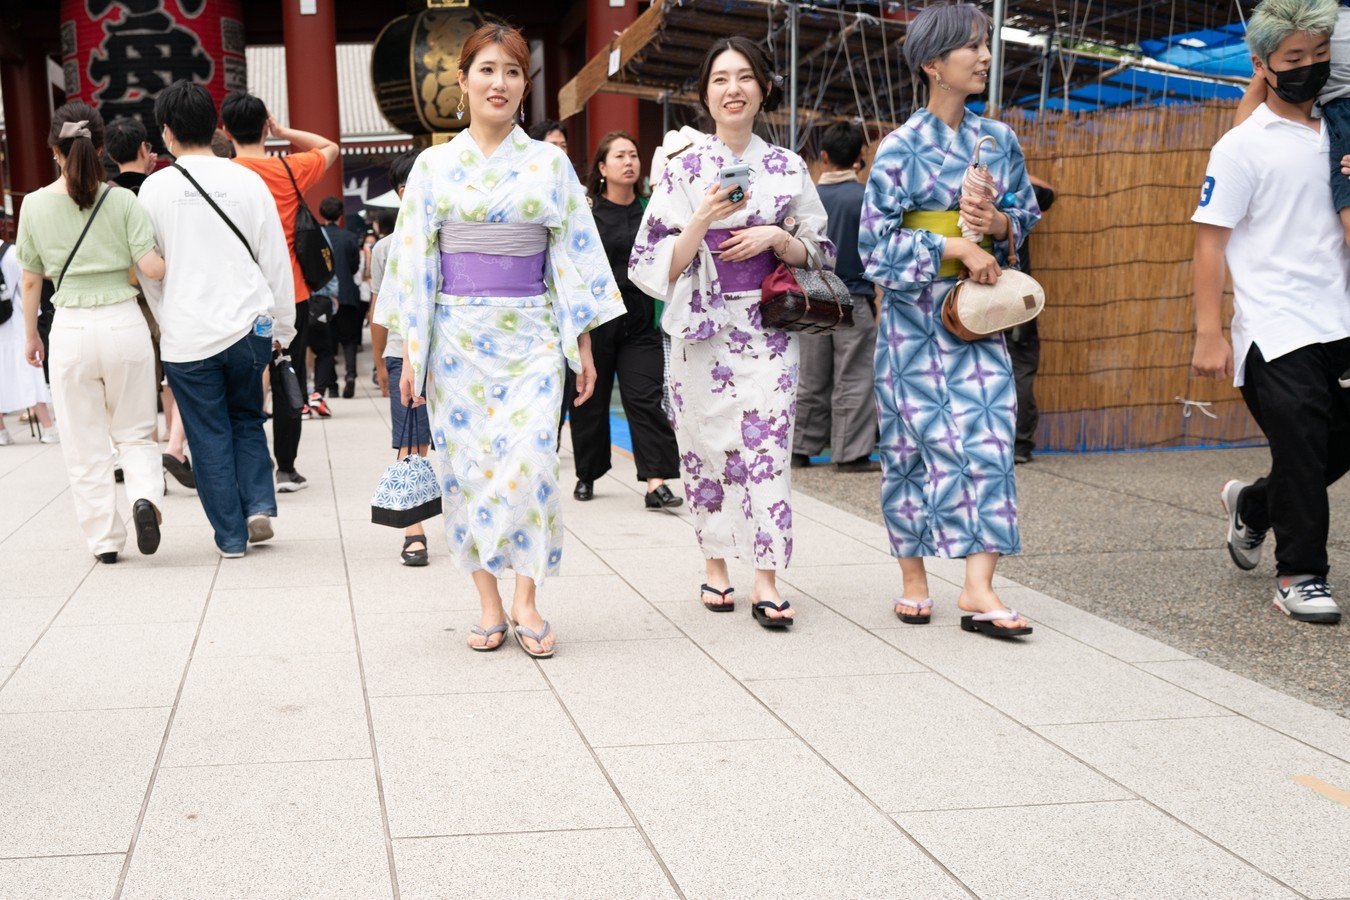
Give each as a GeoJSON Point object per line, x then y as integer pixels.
{"type": "Point", "coordinates": [409, 491]}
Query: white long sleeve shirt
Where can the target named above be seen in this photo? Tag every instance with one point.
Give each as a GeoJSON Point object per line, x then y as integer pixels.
{"type": "Point", "coordinates": [212, 289]}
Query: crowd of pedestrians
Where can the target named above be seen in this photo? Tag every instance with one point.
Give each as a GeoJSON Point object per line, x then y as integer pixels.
{"type": "Point", "coordinates": [507, 291]}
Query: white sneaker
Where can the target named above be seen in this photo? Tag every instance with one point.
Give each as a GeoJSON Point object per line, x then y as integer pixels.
{"type": "Point", "coordinates": [51, 435]}
{"type": "Point", "coordinates": [224, 555]}
{"type": "Point", "coordinates": [1244, 544]}
{"type": "Point", "coordinates": [1306, 598]}
{"type": "Point", "coordinates": [5, 437]}
{"type": "Point", "coordinates": [259, 528]}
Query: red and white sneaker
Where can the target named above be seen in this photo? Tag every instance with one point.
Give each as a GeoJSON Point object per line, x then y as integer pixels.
{"type": "Point", "coordinates": [318, 407]}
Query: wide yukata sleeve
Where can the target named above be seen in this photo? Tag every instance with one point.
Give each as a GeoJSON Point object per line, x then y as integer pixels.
{"type": "Point", "coordinates": [414, 264]}
{"type": "Point", "coordinates": [811, 223]}
{"type": "Point", "coordinates": [897, 258]}
{"type": "Point", "coordinates": [1023, 212]}
{"type": "Point", "coordinates": [582, 283]}
{"type": "Point", "coordinates": [695, 309]}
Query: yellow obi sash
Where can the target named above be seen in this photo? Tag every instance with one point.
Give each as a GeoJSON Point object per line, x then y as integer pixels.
{"type": "Point", "coordinates": [946, 223]}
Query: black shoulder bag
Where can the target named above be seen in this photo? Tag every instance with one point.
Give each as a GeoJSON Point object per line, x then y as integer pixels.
{"type": "Point", "coordinates": [80, 240]}
{"type": "Point", "coordinates": [311, 246]}
{"type": "Point", "coordinates": [283, 370]}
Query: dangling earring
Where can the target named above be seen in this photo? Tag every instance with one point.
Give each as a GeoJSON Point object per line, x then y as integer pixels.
{"type": "Point", "coordinates": [459, 110]}
{"type": "Point", "coordinates": [942, 84]}
{"type": "Point", "coordinates": [522, 113]}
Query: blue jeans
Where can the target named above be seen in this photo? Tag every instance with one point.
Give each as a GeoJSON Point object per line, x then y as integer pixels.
{"type": "Point", "coordinates": [420, 428]}
{"type": "Point", "coordinates": [221, 401]}
{"type": "Point", "coordinates": [1336, 115]}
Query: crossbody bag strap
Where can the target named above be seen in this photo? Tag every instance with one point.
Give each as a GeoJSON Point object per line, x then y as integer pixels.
{"type": "Point", "coordinates": [80, 240]}
{"type": "Point", "coordinates": [299, 196]}
{"type": "Point", "coordinates": [220, 212]}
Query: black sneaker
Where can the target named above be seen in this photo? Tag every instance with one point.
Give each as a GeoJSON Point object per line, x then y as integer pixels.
{"type": "Point", "coordinates": [349, 390]}
{"type": "Point", "coordinates": [290, 482]}
{"type": "Point", "coordinates": [663, 498]}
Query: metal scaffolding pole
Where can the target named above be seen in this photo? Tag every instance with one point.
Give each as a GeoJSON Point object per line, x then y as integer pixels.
{"type": "Point", "coordinates": [1047, 55]}
{"type": "Point", "coordinates": [996, 62]}
{"type": "Point", "coordinates": [793, 14]}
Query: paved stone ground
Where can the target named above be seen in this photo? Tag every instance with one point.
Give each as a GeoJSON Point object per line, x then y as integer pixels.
{"type": "Point", "coordinates": [306, 722]}
{"type": "Point", "coordinates": [1138, 538]}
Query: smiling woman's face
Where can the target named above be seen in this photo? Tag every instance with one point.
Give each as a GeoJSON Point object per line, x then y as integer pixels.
{"type": "Point", "coordinates": [733, 95]}
{"type": "Point", "coordinates": [964, 70]}
{"type": "Point", "coordinates": [494, 85]}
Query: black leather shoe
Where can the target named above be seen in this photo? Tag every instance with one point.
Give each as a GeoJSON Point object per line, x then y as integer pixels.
{"type": "Point", "coordinates": [585, 490]}
{"type": "Point", "coordinates": [663, 498]}
{"type": "Point", "coordinates": [864, 464]}
{"type": "Point", "coordinates": [146, 519]}
{"type": "Point", "coordinates": [349, 390]}
{"type": "Point", "coordinates": [107, 558]}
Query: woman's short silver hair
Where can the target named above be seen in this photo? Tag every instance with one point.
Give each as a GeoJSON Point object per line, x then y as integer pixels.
{"type": "Point", "coordinates": [941, 28]}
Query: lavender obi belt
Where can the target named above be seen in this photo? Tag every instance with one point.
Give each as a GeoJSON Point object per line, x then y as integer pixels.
{"type": "Point", "coordinates": [743, 275]}
{"type": "Point", "coordinates": [493, 259]}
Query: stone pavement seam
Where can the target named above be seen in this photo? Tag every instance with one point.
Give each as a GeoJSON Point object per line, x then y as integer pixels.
{"type": "Point", "coordinates": [795, 735]}
{"type": "Point", "coordinates": [63, 855]}
{"type": "Point", "coordinates": [361, 670]}
{"type": "Point", "coordinates": [900, 812]}
{"type": "Point", "coordinates": [164, 741]}
{"type": "Point", "coordinates": [48, 627]}
{"type": "Point", "coordinates": [1080, 760]}
{"type": "Point", "coordinates": [429, 837]}
{"type": "Point", "coordinates": [609, 779]}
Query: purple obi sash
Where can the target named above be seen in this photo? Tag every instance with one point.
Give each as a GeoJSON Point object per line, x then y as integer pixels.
{"type": "Point", "coordinates": [743, 275]}
{"type": "Point", "coordinates": [493, 259]}
{"type": "Point", "coordinates": [492, 275]}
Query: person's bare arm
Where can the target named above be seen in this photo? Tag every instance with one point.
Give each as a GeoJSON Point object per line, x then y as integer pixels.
{"type": "Point", "coordinates": [1213, 354]}
{"type": "Point", "coordinates": [305, 140]}
{"type": "Point", "coordinates": [1253, 97]}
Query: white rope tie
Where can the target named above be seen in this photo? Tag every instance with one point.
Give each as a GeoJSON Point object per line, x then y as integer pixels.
{"type": "Point", "coordinates": [1188, 406]}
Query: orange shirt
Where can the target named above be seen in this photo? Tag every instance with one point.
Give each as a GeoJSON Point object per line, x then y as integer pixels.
{"type": "Point", "coordinates": [307, 167]}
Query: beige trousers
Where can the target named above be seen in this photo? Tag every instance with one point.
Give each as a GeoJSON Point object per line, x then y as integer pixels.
{"type": "Point", "coordinates": [103, 387]}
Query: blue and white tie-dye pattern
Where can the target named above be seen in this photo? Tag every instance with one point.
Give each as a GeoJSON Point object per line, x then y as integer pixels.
{"type": "Point", "coordinates": [947, 407]}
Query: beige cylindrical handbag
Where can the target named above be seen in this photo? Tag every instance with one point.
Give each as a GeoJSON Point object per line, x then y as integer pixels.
{"type": "Point", "coordinates": [974, 311]}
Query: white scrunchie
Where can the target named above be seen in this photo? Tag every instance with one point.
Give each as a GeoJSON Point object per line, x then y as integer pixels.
{"type": "Point", "coordinates": [75, 129]}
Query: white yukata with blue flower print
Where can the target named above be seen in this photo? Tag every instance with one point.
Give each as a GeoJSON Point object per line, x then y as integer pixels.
{"type": "Point", "coordinates": [492, 366]}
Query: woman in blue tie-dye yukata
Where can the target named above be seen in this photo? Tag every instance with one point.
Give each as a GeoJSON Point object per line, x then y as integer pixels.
{"type": "Point", "coordinates": [947, 407]}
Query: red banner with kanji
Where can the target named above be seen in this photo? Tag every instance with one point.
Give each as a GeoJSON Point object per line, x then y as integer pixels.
{"type": "Point", "coordinates": [118, 54]}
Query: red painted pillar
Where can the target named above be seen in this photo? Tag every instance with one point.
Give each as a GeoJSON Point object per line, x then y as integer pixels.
{"type": "Point", "coordinates": [26, 91]}
{"type": "Point", "coordinates": [607, 112]}
{"type": "Point", "coordinates": [312, 82]}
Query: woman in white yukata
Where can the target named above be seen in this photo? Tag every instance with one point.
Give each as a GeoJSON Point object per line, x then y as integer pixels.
{"type": "Point", "coordinates": [500, 274]}
{"type": "Point", "coordinates": [733, 383]}
{"type": "Point", "coordinates": [947, 407]}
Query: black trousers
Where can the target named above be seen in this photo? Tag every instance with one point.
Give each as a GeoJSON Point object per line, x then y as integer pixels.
{"type": "Point", "coordinates": [1024, 347]}
{"type": "Point", "coordinates": [285, 430]}
{"type": "Point", "coordinates": [322, 341]}
{"type": "Point", "coordinates": [1305, 415]}
{"type": "Point", "coordinates": [347, 325]}
{"type": "Point", "coordinates": [637, 360]}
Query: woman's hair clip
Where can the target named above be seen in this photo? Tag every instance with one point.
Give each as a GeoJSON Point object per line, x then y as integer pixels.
{"type": "Point", "coordinates": [776, 79]}
{"type": "Point", "coordinates": [75, 129]}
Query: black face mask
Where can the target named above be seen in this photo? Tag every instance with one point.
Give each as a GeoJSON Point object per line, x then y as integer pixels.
{"type": "Point", "coordinates": [1302, 84]}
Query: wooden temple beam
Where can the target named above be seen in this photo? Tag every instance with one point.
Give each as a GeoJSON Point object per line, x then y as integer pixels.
{"type": "Point", "coordinates": [573, 95]}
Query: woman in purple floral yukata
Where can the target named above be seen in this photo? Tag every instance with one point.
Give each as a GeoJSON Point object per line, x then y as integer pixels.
{"type": "Point", "coordinates": [733, 382]}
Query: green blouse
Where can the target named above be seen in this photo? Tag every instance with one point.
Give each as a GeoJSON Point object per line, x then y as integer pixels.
{"type": "Point", "coordinates": [49, 225]}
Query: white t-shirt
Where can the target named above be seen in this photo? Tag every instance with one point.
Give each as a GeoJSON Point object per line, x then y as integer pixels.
{"type": "Point", "coordinates": [1268, 181]}
{"type": "Point", "coordinates": [212, 289]}
{"type": "Point", "coordinates": [386, 301]}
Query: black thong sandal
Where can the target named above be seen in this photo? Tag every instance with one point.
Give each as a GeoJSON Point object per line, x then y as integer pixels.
{"type": "Point", "coordinates": [761, 614]}
{"type": "Point", "coordinates": [919, 618]}
{"type": "Point", "coordinates": [724, 605]}
{"type": "Point", "coordinates": [415, 557]}
{"type": "Point", "coordinates": [987, 623]}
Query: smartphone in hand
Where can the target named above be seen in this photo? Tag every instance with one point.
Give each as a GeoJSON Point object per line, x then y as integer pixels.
{"type": "Point", "coordinates": [737, 177]}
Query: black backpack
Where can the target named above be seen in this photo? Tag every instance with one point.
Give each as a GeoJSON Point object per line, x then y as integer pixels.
{"type": "Point", "coordinates": [311, 247]}
{"type": "Point", "coordinates": [6, 292]}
